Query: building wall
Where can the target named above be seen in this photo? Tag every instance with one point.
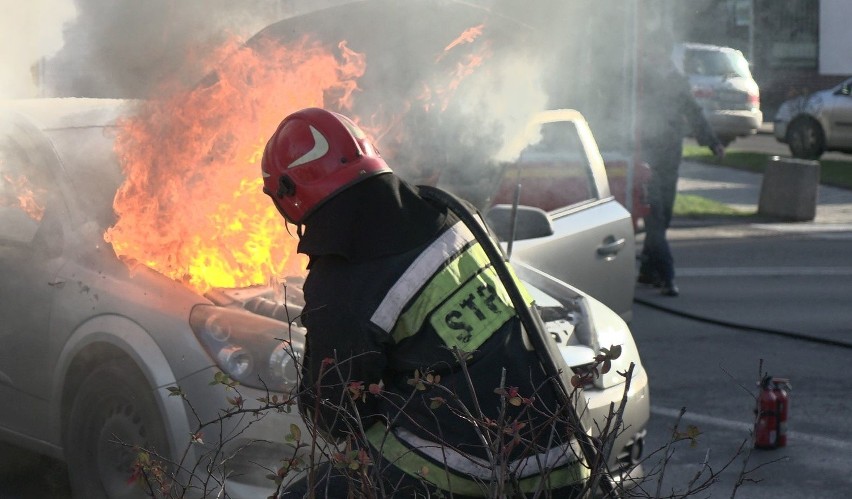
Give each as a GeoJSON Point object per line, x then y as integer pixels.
{"type": "Point", "coordinates": [835, 38]}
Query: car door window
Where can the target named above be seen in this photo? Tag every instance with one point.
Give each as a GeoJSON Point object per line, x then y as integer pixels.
{"type": "Point", "coordinates": [553, 171]}
{"type": "Point", "coordinates": [23, 187]}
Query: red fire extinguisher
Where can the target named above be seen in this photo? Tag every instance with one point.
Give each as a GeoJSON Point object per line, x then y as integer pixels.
{"type": "Point", "coordinates": [781, 387]}
{"type": "Point", "coordinates": [773, 409]}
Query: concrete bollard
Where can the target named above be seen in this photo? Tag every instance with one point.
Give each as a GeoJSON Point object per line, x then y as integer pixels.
{"type": "Point", "coordinates": [789, 189]}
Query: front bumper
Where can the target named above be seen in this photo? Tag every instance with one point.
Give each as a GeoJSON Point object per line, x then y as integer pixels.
{"type": "Point", "coordinates": [729, 123]}
{"type": "Point", "coordinates": [627, 449]}
{"type": "Point", "coordinates": [780, 131]}
{"type": "Point", "coordinates": [244, 448]}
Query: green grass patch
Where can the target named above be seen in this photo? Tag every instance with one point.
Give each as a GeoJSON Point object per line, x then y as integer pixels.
{"type": "Point", "coordinates": [689, 205]}
{"type": "Point", "coordinates": [832, 172]}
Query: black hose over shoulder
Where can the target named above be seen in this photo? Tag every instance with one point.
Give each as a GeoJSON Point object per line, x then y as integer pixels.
{"type": "Point", "coordinates": [545, 348]}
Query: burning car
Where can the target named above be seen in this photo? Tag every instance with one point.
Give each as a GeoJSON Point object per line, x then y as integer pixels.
{"type": "Point", "coordinates": [143, 314]}
{"type": "Point", "coordinates": [92, 345]}
{"type": "Point", "coordinates": [103, 357]}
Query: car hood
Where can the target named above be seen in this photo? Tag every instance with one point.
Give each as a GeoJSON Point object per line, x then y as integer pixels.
{"type": "Point", "coordinates": [580, 324]}
{"type": "Point", "coordinates": [811, 103]}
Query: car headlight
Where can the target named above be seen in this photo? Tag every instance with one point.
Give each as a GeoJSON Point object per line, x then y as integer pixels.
{"type": "Point", "coordinates": [610, 329]}
{"type": "Point", "coordinates": [256, 351]}
{"type": "Point", "coordinates": [784, 112]}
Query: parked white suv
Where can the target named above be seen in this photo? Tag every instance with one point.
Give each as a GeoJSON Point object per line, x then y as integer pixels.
{"type": "Point", "coordinates": [723, 85]}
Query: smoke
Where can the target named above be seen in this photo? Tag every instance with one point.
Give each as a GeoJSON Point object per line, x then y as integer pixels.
{"type": "Point", "coordinates": [30, 31]}
{"type": "Point", "coordinates": [123, 48]}
{"type": "Point", "coordinates": [536, 55]}
{"type": "Point", "coordinates": [520, 58]}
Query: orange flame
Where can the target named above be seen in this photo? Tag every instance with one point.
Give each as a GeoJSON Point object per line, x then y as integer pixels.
{"type": "Point", "coordinates": [191, 206]}
{"type": "Point", "coordinates": [467, 36]}
{"type": "Point", "coordinates": [25, 197]}
{"type": "Point", "coordinates": [464, 67]}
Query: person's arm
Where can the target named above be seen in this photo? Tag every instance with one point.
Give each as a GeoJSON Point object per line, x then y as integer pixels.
{"type": "Point", "coordinates": [701, 128]}
{"type": "Point", "coordinates": [342, 357]}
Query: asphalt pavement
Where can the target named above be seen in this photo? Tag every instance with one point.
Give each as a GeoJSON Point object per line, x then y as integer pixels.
{"type": "Point", "coordinates": [804, 290]}
{"type": "Point", "coordinates": [753, 289]}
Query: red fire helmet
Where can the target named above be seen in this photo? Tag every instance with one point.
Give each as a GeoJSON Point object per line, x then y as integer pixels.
{"type": "Point", "coordinates": [312, 156]}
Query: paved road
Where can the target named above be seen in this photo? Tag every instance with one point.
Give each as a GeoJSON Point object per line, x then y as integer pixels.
{"type": "Point", "coordinates": [798, 284]}
{"type": "Point", "coordinates": [765, 142]}
{"type": "Point", "coordinates": [741, 285]}
{"type": "Point", "coordinates": [711, 371]}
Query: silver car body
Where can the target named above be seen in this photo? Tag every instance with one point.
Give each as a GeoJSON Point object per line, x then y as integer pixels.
{"type": "Point", "coordinates": [722, 84]}
{"type": "Point", "coordinates": [815, 123]}
{"type": "Point", "coordinates": [582, 236]}
{"type": "Point", "coordinates": [70, 305]}
{"type": "Point", "coordinates": [560, 170]}
{"type": "Point", "coordinates": [586, 326]}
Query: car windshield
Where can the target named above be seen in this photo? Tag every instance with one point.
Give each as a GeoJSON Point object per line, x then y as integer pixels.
{"type": "Point", "coordinates": [716, 63]}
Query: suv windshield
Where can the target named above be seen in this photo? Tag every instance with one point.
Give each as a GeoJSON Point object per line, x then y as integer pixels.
{"type": "Point", "coordinates": [716, 63]}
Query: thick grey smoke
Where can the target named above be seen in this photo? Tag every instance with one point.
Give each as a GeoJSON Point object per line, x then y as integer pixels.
{"type": "Point", "coordinates": [30, 31]}
{"type": "Point", "coordinates": [536, 55]}
{"type": "Point", "coordinates": [542, 54]}
{"type": "Point", "coordinates": [122, 48]}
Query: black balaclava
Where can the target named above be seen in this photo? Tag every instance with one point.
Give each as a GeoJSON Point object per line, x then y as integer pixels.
{"type": "Point", "coordinates": [379, 216]}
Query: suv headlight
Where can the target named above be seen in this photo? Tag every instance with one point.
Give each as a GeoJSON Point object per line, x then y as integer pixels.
{"type": "Point", "coordinates": [256, 351]}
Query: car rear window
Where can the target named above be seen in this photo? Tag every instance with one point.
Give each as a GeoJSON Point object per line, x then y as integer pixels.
{"type": "Point", "coordinates": [715, 63]}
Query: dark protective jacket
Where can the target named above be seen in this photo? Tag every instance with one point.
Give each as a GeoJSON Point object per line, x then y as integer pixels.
{"type": "Point", "coordinates": [395, 284]}
{"type": "Point", "coordinates": [668, 111]}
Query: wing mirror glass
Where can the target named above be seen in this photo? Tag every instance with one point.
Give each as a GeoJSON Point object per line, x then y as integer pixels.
{"type": "Point", "coordinates": [530, 222]}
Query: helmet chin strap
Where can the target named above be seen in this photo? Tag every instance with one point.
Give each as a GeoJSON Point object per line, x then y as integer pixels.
{"type": "Point", "coordinates": [300, 229]}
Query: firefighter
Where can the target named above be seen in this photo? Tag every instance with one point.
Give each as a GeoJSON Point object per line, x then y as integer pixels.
{"type": "Point", "coordinates": [416, 365]}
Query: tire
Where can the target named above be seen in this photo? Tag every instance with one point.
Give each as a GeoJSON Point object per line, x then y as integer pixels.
{"type": "Point", "coordinates": [806, 139]}
{"type": "Point", "coordinates": [114, 404]}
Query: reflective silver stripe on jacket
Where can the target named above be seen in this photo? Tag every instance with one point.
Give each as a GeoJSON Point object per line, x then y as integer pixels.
{"type": "Point", "coordinates": [536, 464]}
{"type": "Point", "coordinates": [418, 273]}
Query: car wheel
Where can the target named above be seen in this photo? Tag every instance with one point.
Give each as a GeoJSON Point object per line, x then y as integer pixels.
{"type": "Point", "coordinates": [806, 139]}
{"type": "Point", "coordinates": [113, 412]}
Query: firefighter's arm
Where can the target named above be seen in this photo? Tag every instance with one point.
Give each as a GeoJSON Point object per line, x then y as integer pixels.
{"type": "Point", "coordinates": [342, 362]}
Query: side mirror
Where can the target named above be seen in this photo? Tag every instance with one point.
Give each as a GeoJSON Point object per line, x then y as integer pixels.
{"type": "Point", "coordinates": [530, 222]}
{"type": "Point", "coordinates": [845, 89]}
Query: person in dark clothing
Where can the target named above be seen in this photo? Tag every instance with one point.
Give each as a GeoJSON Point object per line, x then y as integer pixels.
{"type": "Point", "coordinates": [667, 109]}
{"type": "Point", "coordinates": [410, 335]}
